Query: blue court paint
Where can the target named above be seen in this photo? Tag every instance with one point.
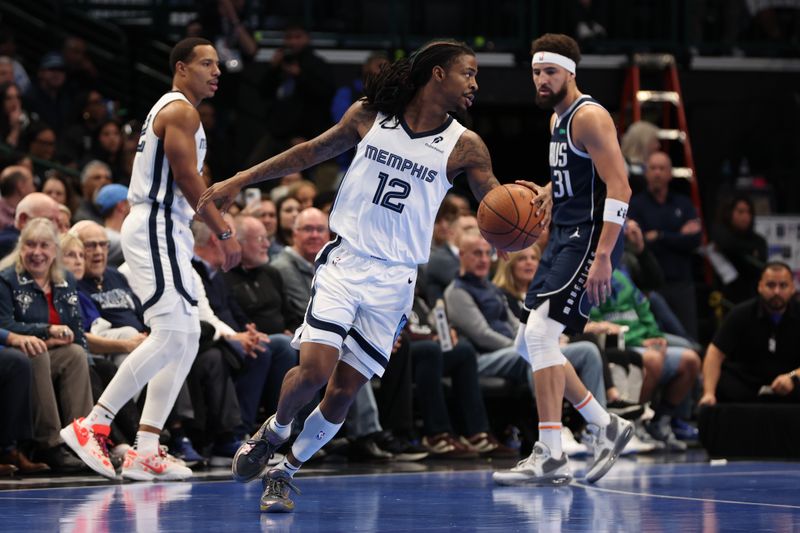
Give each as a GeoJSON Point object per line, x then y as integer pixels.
{"type": "Point", "coordinates": [635, 496]}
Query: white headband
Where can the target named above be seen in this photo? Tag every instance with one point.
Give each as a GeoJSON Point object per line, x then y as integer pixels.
{"type": "Point", "coordinates": [556, 59]}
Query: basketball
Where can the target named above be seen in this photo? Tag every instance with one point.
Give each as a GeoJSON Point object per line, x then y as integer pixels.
{"type": "Point", "coordinates": [507, 219]}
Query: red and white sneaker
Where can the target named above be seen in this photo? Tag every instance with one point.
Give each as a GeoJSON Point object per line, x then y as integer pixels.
{"type": "Point", "coordinates": [149, 467]}
{"type": "Point", "coordinates": [91, 445]}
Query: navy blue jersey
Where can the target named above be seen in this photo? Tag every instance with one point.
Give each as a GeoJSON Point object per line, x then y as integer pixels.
{"type": "Point", "coordinates": [578, 192]}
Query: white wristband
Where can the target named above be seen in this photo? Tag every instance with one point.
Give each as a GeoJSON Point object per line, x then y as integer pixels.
{"type": "Point", "coordinates": [615, 211]}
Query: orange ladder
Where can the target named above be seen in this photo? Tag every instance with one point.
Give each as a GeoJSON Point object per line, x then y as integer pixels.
{"type": "Point", "coordinates": [672, 104]}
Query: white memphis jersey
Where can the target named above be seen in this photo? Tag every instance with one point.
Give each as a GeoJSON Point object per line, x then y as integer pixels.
{"type": "Point", "coordinates": [151, 179]}
{"type": "Point", "coordinates": [389, 197]}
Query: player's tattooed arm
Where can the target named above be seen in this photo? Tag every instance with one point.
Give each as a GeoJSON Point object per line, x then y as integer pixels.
{"type": "Point", "coordinates": [340, 138]}
{"type": "Point", "coordinates": [471, 156]}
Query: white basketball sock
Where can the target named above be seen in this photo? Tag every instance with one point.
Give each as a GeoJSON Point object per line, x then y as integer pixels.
{"type": "Point", "coordinates": [591, 410]}
{"type": "Point", "coordinates": [317, 432]}
{"type": "Point", "coordinates": [99, 415]}
{"type": "Point", "coordinates": [284, 432]}
{"type": "Point", "coordinates": [550, 434]}
{"type": "Point", "coordinates": [146, 442]}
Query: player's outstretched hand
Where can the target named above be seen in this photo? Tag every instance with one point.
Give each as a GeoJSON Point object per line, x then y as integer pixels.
{"type": "Point", "coordinates": [222, 194]}
{"type": "Point", "coordinates": [598, 282]}
{"type": "Point", "coordinates": [233, 253]}
{"type": "Point", "coordinates": [543, 201]}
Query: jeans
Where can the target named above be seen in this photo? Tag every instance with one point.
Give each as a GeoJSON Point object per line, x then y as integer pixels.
{"type": "Point", "coordinates": [460, 363]}
{"type": "Point", "coordinates": [263, 376]}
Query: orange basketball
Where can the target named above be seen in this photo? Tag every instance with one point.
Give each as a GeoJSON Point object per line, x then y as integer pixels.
{"type": "Point", "coordinates": [507, 219]}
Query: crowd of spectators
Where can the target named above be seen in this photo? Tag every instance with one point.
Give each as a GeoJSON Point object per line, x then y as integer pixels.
{"type": "Point", "coordinates": [68, 315]}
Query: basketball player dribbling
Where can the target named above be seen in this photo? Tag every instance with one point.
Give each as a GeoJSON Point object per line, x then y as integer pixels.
{"type": "Point", "coordinates": [409, 149]}
{"type": "Point", "coordinates": [590, 191]}
{"type": "Point", "coordinates": [158, 247]}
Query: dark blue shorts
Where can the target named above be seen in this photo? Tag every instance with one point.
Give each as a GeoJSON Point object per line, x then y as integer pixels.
{"type": "Point", "coordinates": [561, 276]}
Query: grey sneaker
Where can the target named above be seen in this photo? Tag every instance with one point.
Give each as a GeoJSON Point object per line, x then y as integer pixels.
{"type": "Point", "coordinates": [538, 469]}
{"type": "Point", "coordinates": [661, 430]}
{"type": "Point", "coordinates": [275, 498]}
{"type": "Point", "coordinates": [607, 443]}
{"type": "Point", "coordinates": [250, 460]}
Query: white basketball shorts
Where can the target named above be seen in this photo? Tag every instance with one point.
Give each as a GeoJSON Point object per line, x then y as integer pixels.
{"type": "Point", "coordinates": [360, 302]}
{"type": "Point", "coordinates": [158, 249]}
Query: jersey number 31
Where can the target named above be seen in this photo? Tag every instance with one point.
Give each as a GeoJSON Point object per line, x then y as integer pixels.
{"type": "Point", "coordinates": [399, 190]}
{"type": "Point", "coordinates": [561, 184]}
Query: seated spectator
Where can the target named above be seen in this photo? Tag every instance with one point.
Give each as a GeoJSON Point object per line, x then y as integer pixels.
{"type": "Point", "coordinates": [288, 208]}
{"type": "Point", "coordinates": [16, 423]}
{"type": "Point", "coordinates": [257, 287]}
{"type": "Point", "coordinates": [304, 192]}
{"type": "Point", "coordinates": [754, 355]}
{"type": "Point", "coordinates": [514, 275]}
{"type": "Point", "coordinates": [444, 261]}
{"type": "Point", "coordinates": [101, 336]}
{"type": "Point", "coordinates": [479, 312]}
{"type": "Point", "coordinates": [112, 204]}
{"type": "Point", "coordinates": [51, 97]}
{"type": "Point", "coordinates": [431, 364]}
{"type": "Point", "coordinates": [16, 182]}
{"type": "Point", "coordinates": [39, 142]}
{"type": "Point", "coordinates": [38, 298]}
{"type": "Point", "coordinates": [107, 146]}
{"type": "Point", "coordinates": [56, 187]}
{"type": "Point", "coordinates": [637, 143]}
{"type": "Point", "coordinates": [668, 363]}
{"type": "Point", "coordinates": [76, 141]}
{"type": "Point", "coordinates": [94, 175]}
{"type": "Point", "coordinates": [735, 238]}
{"type": "Point", "coordinates": [33, 205]}
{"type": "Point", "coordinates": [264, 358]}
{"type": "Point", "coordinates": [296, 262]}
{"type": "Point", "coordinates": [266, 211]}
{"type": "Point", "coordinates": [13, 117]}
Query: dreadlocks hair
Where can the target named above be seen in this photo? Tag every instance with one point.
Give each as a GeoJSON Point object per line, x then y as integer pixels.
{"type": "Point", "coordinates": [557, 43]}
{"type": "Point", "coordinates": [391, 90]}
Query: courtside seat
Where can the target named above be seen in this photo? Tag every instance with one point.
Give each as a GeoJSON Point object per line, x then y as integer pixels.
{"type": "Point", "coordinates": [750, 430]}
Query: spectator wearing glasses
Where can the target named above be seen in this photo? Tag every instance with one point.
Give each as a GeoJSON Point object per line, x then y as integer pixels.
{"type": "Point", "coordinates": [296, 262]}
{"type": "Point", "coordinates": [258, 287]}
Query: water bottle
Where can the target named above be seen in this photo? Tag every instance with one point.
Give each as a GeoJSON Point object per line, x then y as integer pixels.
{"type": "Point", "coordinates": [442, 326]}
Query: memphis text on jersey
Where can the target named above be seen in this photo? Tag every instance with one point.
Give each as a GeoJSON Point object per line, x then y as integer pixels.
{"type": "Point", "coordinates": [400, 163]}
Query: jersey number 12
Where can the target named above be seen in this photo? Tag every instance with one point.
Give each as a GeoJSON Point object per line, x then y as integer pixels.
{"type": "Point", "coordinates": [388, 199]}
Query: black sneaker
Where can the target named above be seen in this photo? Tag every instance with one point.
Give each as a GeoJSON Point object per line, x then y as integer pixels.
{"type": "Point", "coordinates": [625, 409]}
{"type": "Point", "coordinates": [61, 460]}
{"type": "Point", "coordinates": [275, 498]}
{"type": "Point", "coordinates": [400, 448]}
{"type": "Point", "coordinates": [250, 460]}
{"type": "Point", "coordinates": [366, 449]}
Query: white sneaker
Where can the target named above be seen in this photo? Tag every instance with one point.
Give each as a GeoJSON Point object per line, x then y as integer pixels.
{"type": "Point", "coordinates": [637, 445]}
{"type": "Point", "coordinates": [159, 465]}
{"type": "Point", "coordinates": [607, 443]}
{"type": "Point", "coordinates": [91, 445]}
{"type": "Point", "coordinates": [570, 445]}
{"type": "Point", "coordinates": [538, 469]}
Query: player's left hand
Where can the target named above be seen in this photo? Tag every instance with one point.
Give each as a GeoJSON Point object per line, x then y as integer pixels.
{"type": "Point", "coordinates": [543, 201]}
{"type": "Point", "coordinates": [782, 385]}
{"type": "Point", "coordinates": [222, 194]}
{"type": "Point", "coordinates": [598, 282]}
